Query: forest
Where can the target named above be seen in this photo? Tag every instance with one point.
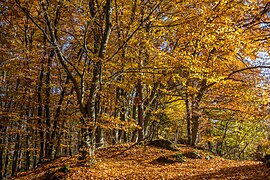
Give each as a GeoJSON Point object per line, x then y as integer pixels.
{"type": "Point", "coordinates": [78, 75]}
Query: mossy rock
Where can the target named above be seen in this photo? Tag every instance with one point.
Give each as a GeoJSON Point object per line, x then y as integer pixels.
{"type": "Point", "coordinates": [64, 169]}
{"type": "Point", "coordinates": [164, 159]}
{"type": "Point", "coordinates": [54, 175]}
{"type": "Point", "coordinates": [179, 157]}
{"type": "Point", "coordinates": [193, 155]}
{"type": "Point", "coordinates": [164, 144]}
{"type": "Point", "coordinates": [266, 160]}
{"type": "Point", "coordinates": [57, 173]}
{"type": "Point", "coordinates": [170, 159]}
{"type": "Point", "coordinates": [209, 157]}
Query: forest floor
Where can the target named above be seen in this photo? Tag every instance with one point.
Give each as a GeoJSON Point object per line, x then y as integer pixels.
{"type": "Point", "coordinates": [144, 162]}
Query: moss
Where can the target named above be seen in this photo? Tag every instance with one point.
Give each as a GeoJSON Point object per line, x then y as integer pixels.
{"type": "Point", "coordinates": [64, 169]}
{"type": "Point", "coordinates": [164, 144]}
{"type": "Point", "coordinates": [54, 175]}
{"type": "Point", "coordinates": [266, 159]}
{"type": "Point", "coordinates": [175, 158]}
{"type": "Point", "coordinates": [193, 155]}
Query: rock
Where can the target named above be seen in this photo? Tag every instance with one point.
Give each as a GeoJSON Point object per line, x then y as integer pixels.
{"type": "Point", "coordinates": [54, 175]}
{"type": "Point", "coordinates": [163, 143]}
{"type": "Point", "coordinates": [193, 155]}
{"type": "Point", "coordinates": [266, 159]}
{"type": "Point", "coordinates": [169, 159]}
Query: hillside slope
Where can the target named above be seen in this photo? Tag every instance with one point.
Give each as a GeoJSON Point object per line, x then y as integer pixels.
{"type": "Point", "coordinates": [145, 162]}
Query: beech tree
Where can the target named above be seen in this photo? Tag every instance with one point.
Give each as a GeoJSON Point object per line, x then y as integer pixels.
{"type": "Point", "coordinates": [76, 75]}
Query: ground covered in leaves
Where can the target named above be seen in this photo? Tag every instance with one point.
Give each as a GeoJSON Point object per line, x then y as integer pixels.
{"type": "Point", "coordinates": [148, 162]}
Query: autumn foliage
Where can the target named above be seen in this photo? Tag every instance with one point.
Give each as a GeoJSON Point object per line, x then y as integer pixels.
{"type": "Point", "coordinates": [76, 75]}
{"type": "Point", "coordinates": [146, 162]}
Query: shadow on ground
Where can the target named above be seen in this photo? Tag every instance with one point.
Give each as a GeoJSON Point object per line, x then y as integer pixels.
{"type": "Point", "coordinates": [258, 172]}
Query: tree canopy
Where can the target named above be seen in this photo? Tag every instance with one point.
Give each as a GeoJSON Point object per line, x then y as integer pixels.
{"type": "Point", "coordinates": [77, 75]}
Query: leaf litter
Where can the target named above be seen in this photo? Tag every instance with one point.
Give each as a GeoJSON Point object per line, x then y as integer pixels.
{"type": "Point", "coordinates": [140, 162]}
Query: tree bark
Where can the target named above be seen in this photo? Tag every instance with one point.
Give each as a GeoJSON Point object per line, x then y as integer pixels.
{"type": "Point", "coordinates": [134, 112]}
{"type": "Point", "coordinates": [188, 119]}
{"type": "Point", "coordinates": [39, 113]}
{"type": "Point", "coordinates": [2, 141]}
{"type": "Point", "coordinates": [56, 124]}
{"type": "Point", "coordinates": [47, 107]}
{"type": "Point", "coordinates": [196, 112]}
{"type": "Point", "coordinates": [195, 129]}
{"type": "Point", "coordinates": [16, 155]}
{"type": "Point", "coordinates": [140, 110]}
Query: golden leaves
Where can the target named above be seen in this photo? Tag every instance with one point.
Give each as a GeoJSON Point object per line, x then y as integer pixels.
{"type": "Point", "coordinates": [137, 163]}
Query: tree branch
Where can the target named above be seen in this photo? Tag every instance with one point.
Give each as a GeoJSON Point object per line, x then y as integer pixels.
{"type": "Point", "coordinates": [133, 33]}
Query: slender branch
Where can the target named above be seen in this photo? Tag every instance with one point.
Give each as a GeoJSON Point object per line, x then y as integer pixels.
{"type": "Point", "coordinates": [108, 27]}
{"type": "Point", "coordinates": [27, 13]}
{"type": "Point", "coordinates": [134, 32]}
{"type": "Point", "coordinates": [61, 57]}
{"type": "Point", "coordinates": [248, 68]}
{"type": "Point", "coordinates": [238, 71]}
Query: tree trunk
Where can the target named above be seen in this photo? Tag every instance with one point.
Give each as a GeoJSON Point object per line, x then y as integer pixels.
{"type": "Point", "coordinates": [40, 109]}
{"type": "Point", "coordinates": [134, 112]}
{"type": "Point", "coordinates": [116, 112]}
{"type": "Point", "coordinates": [98, 112]}
{"type": "Point", "coordinates": [188, 119]}
{"type": "Point", "coordinates": [6, 164]}
{"type": "Point", "coordinates": [16, 155]}
{"type": "Point", "coordinates": [122, 118]}
{"type": "Point", "coordinates": [196, 112]}
{"type": "Point", "coordinates": [2, 130]}
{"type": "Point", "coordinates": [47, 107]}
{"type": "Point", "coordinates": [195, 129]}
{"type": "Point", "coordinates": [140, 110]}
{"type": "Point", "coordinates": [35, 138]}
{"type": "Point", "coordinates": [99, 137]}
{"type": "Point", "coordinates": [1, 162]}
{"type": "Point", "coordinates": [27, 154]}
{"type": "Point", "coordinates": [56, 124]}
